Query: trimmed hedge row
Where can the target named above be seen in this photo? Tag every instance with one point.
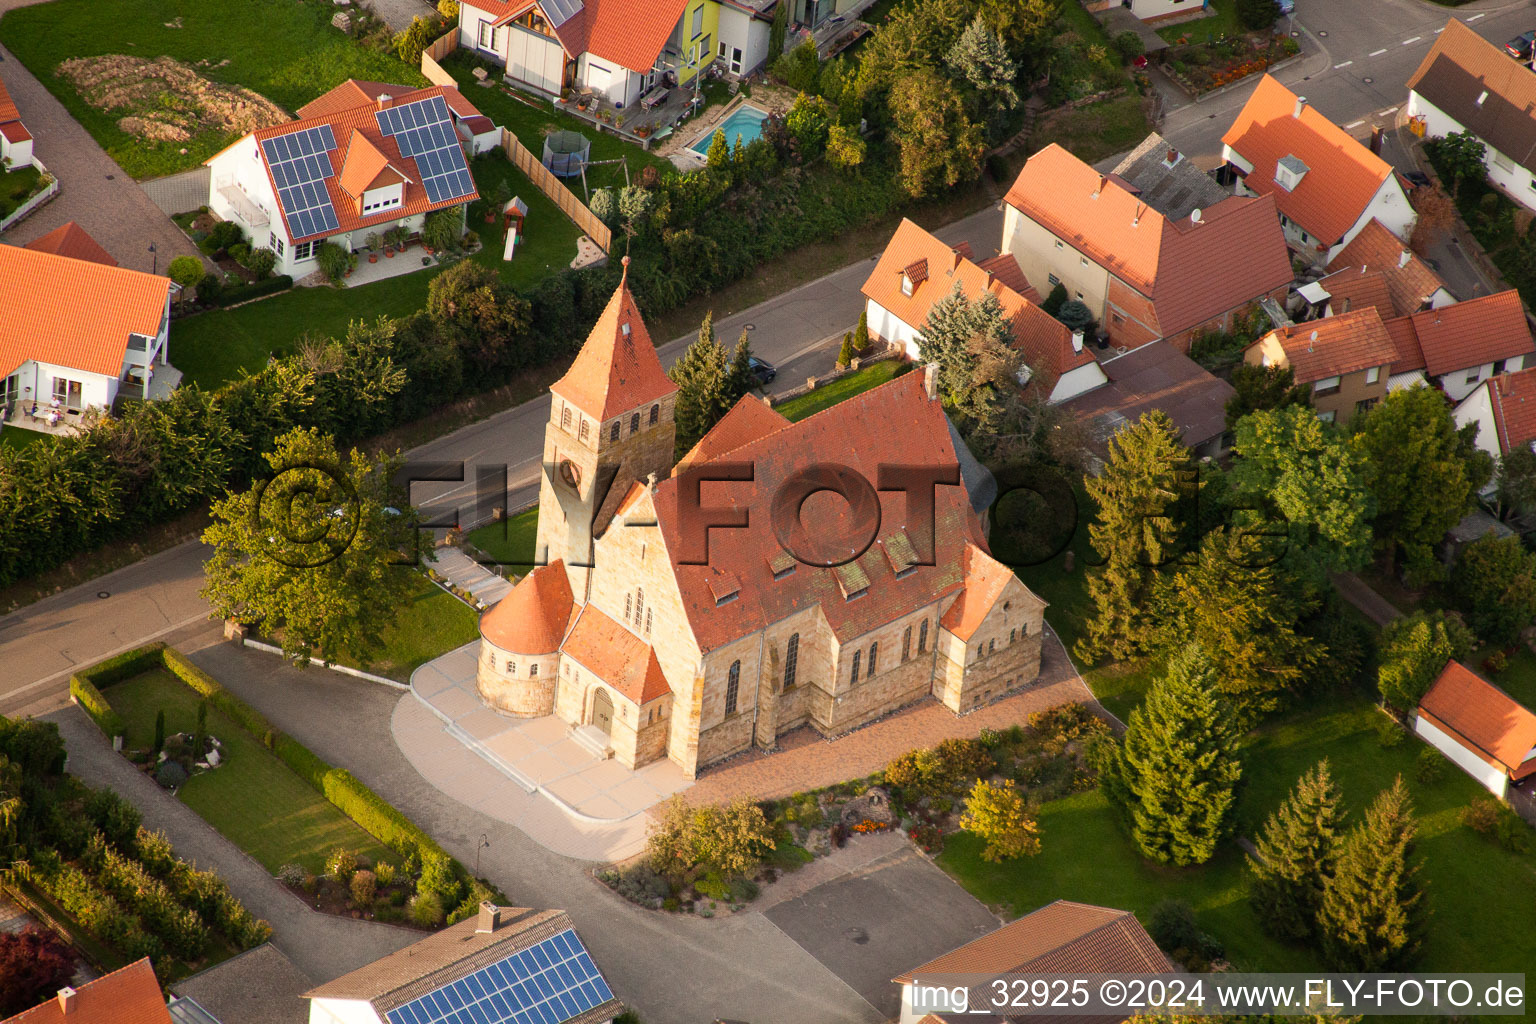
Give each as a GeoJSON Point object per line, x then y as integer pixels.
{"type": "Point", "coordinates": [253, 721]}
{"type": "Point", "coordinates": [246, 292]}
{"type": "Point", "coordinates": [84, 686]}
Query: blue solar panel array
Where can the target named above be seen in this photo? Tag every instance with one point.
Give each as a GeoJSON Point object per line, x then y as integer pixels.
{"type": "Point", "coordinates": [546, 984]}
{"type": "Point", "coordinates": [561, 11]}
{"type": "Point", "coordinates": [300, 164]}
{"type": "Point", "coordinates": [424, 131]}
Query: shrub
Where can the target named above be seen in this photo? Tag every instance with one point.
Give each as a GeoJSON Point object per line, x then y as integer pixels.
{"type": "Point", "coordinates": [930, 838]}
{"type": "Point", "coordinates": [744, 890]}
{"type": "Point", "coordinates": [441, 230]}
{"type": "Point", "coordinates": [384, 871]}
{"type": "Point", "coordinates": [341, 864]}
{"type": "Point", "coordinates": [999, 814]}
{"type": "Point", "coordinates": [438, 878]}
{"type": "Point", "coordinates": [1389, 734]}
{"type": "Point", "coordinates": [1512, 833]}
{"type": "Point", "coordinates": [410, 43]}
{"type": "Point", "coordinates": [222, 236]}
{"type": "Point", "coordinates": [35, 747]}
{"type": "Point", "coordinates": [1173, 927]}
{"type": "Point", "coordinates": [117, 819]}
{"type": "Point", "coordinates": [292, 875]}
{"type": "Point", "coordinates": [209, 287]}
{"type": "Point", "coordinates": [713, 886]}
{"type": "Point", "coordinates": [426, 910]}
{"type": "Point", "coordinates": [333, 261]}
{"type": "Point", "coordinates": [239, 252]}
{"type": "Point", "coordinates": [245, 293]}
{"type": "Point", "coordinates": [731, 840]}
{"type": "Point", "coordinates": [84, 685]}
{"type": "Point", "coordinates": [364, 886]}
{"type": "Point", "coordinates": [1055, 300]}
{"type": "Point", "coordinates": [1430, 766]}
{"type": "Point", "coordinates": [34, 965]}
{"type": "Point", "coordinates": [251, 720]}
{"type": "Point", "coordinates": [171, 775]}
{"type": "Point", "coordinates": [261, 262]}
{"type": "Point", "coordinates": [1128, 46]}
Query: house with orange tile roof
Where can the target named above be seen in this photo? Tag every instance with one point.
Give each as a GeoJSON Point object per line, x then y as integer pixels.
{"type": "Point", "coordinates": [1346, 360]}
{"type": "Point", "coordinates": [1411, 282]}
{"type": "Point", "coordinates": [78, 329]}
{"type": "Point", "coordinates": [1483, 730]}
{"type": "Point", "coordinates": [617, 50]}
{"type": "Point", "coordinates": [1504, 410]}
{"type": "Point", "coordinates": [669, 619]}
{"type": "Point", "coordinates": [15, 140]}
{"type": "Point", "coordinates": [352, 165]}
{"type": "Point", "coordinates": [916, 270]}
{"type": "Point", "coordinates": [1467, 84]}
{"type": "Point", "coordinates": [1145, 276]}
{"type": "Point", "coordinates": [127, 996]}
{"type": "Point", "coordinates": [1063, 937]}
{"type": "Point", "coordinates": [1326, 185]}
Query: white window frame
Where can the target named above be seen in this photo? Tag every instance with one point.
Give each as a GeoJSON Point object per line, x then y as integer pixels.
{"type": "Point", "coordinates": [1327, 416]}
{"type": "Point", "coordinates": [906, 286]}
{"type": "Point", "coordinates": [1373, 375]}
{"type": "Point", "coordinates": [698, 22]}
{"type": "Point", "coordinates": [305, 250]}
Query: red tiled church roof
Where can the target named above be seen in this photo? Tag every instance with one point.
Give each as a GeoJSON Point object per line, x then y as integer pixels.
{"type": "Point", "coordinates": [532, 619]}
{"type": "Point", "coordinates": [1342, 175]}
{"type": "Point", "coordinates": [1488, 721]}
{"type": "Point", "coordinates": [748, 420]}
{"type": "Point", "coordinates": [617, 369]}
{"type": "Point", "coordinates": [616, 656]}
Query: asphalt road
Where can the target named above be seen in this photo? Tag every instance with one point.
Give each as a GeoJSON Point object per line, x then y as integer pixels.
{"type": "Point", "coordinates": [1358, 55]}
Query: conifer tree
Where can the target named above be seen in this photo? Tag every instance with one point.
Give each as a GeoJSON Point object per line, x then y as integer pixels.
{"type": "Point", "coordinates": [845, 353]}
{"type": "Point", "coordinates": [1296, 854]}
{"type": "Point", "coordinates": [739, 380]}
{"type": "Point", "coordinates": [1414, 650]}
{"type": "Point", "coordinates": [861, 332]}
{"type": "Point", "coordinates": [1136, 532]}
{"type": "Point", "coordinates": [1372, 915]}
{"type": "Point", "coordinates": [700, 376]}
{"type": "Point", "coordinates": [1174, 776]}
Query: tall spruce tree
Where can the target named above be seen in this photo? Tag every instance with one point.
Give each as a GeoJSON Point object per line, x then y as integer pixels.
{"type": "Point", "coordinates": [1372, 915]}
{"type": "Point", "coordinates": [1296, 854]}
{"type": "Point", "coordinates": [1414, 650]}
{"type": "Point", "coordinates": [1142, 495]}
{"type": "Point", "coordinates": [701, 376]}
{"type": "Point", "coordinates": [1174, 776]}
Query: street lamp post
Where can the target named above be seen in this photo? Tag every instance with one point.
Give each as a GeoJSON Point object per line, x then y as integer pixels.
{"type": "Point", "coordinates": [484, 844]}
{"type": "Point", "coordinates": [154, 259]}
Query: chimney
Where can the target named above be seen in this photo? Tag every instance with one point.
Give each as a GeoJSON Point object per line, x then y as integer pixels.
{"type": "Point", "coordinates": [1173, 156]}
{"type": "Point", "coordinates": [66, 1000]}
{"type": "Point", "coordinates": [1100, 187]}
{"type": "Point", "coordinates": [384, 100]}
{"type": "Point", "coordinates": [1404, 259]}
{"type": "Point", "coordinates": [490, 918]}
{"type": "Point", "coordinates": [931, 380]}
{"type": "Point", "coordinates": [1301, 102]}
{"type": "Point", "coordinates": [1077, 341]}
{"type": "Point", "coordinates": [1376, 137]}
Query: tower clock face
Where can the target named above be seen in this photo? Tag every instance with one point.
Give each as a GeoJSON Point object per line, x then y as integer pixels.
{"type": "Point", "coordinates": [570, 472]}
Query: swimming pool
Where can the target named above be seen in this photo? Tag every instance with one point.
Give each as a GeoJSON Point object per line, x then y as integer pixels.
{"type": "Point", "coordinates": [745, 124]}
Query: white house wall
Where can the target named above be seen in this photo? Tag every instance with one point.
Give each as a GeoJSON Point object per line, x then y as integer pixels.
{"type": "Point", "coordinates": [1478, 408]}
{"type": "Point", "coordinates": [1078, 381]}
{"type": "Point", "coordinates": [96, 389]}
{"type": "Point", "coordinates": [241, 166]}
{"type": "Point", "coordinates": [18, 153]}
{"type": "Point", "coordinates": [1035, 249]}
{"type": "Point", "coordinates": [1489, 777]}
{"type": "Point", "coordinates": [1145, 9]}
{"type": "Point", "coordinates": [1504, 172]}
{"type": "Point", "coordinates": [889, 327]}
{"type": "Point", "coordinates": [341, 1011]}
{"type": "Point", "coordinates": [739, 29]}
{"type": "Point", "coordinates": [1390, 206]}
{"type": "Point", "coordinates": [1455, 383]}
{"type": "Point", "coordinates": [534, 59]}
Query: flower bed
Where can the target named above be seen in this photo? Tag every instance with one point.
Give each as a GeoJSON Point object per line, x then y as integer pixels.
{"type": "Point", "coordinates": [1201, 67]}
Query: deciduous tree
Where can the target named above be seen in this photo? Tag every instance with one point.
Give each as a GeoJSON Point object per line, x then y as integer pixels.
{"type": "Point", "coordinates": [999, 814]}
{"type": "Point", "coordinates": [1175, 774]}
{"type": "Point", "coordinates": [1463, 155]}
{"type": "Point", "coordinates": [1494, 582]}
{"type": "Point", "coordinates": [1264, 387]}
{"type": "Point", "coordinates": [1295, 857]}
{"type": "Point", "coordinates": [315, 551]}
{"type": "Point", "coordinates": [1436, 215]}
{"type": "Point", "coordinates": [1372, 916]}
{"type": "Point", "coordinates": [34, 965]}
{"type": "Point", "coordinates": [186, 271]}
{"type": "Point", "coordinates": [1413, 651]}
{"type": "Point", "coordinates": [940, 145]}
{"type": "Point", "coordinates": [1516, 478]}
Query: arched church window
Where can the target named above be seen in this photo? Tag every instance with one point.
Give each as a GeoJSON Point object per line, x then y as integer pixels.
{"type": "Point", "coordinates": [634, 423]}
{"type": "Point", "coordinates": [732, 687]}
{"type": "Point", "coordinates": [655, 414]}
{"type": "Point", "coordinates": [565, 418]}
{"type": "Point", "coordinates": [613, 434]}
{"type": "Point", "coordinates": [791, 660]}
{"type": "Point", "coordinates": [922, 637]}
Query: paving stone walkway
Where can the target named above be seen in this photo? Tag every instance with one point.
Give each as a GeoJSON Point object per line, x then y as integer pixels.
{"type": "Point", "coordinates": [467, 574]}
{"type": "Point", "coordinates": [323, 946]}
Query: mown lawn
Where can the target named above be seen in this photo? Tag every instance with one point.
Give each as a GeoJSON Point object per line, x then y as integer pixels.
{"type": "Point", "coordinates": [1096, 131]}
{"type": "Point", "coordinates": [286, 50]}
{"type": "Point", "coordinates": [213, 348]}
{"type": "Point", "coordinates": [430, 623]}
{"type": "Point", "coordinates": [13, 436]}
{"type": "Point", "coordinates": [828, 395]}
{"type": "Point", "coordinates": [1476, 925]}
{"type": "Point", "coordinates": [253, 799]}
{"type": "Point", "coordinates": [1221, 21]}
{"type": "Point", "coordinates": [16, 187]}
{"type": "Point", "coordinates": [511, 542]}
{"type": "Point", "coordinates": [532, 119]}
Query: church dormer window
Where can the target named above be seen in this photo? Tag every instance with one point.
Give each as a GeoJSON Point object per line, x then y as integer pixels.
{"type": "Point", "coordinates": [613, 435]}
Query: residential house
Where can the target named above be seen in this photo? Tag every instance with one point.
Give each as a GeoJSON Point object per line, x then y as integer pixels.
{"type": "Point", "coordinates": [1157, 376]}
{"type": "Point", "coordinates": [1464, 344]}
{"type": "Point", "coordinates": [1345, 359]}
{"type": "Point", "coordinates": [1504, 409]}
{"type": "Point", "coordinates": [917, 270]}
{"type": "Point", "coordinates": [1467, 84]}
{"type": "Point", "coordinates": [130, 995]}
{"type": "Point", "coordinates": [1326, 185]}
{"type": "Point", "coordinates": [1153, 10]}
{"type": "Point", "coordinates": [1412, 283]}
{"type": "Point", "coordinates": [1483, 730]}
{"type": "Point", "coordinates": [657, 639]}
{"type": "Point", "coordinates": [1165, 180]}
{"type": "Point", "coordinates": [616, 49]}
{"type": "Point", "coordinates": [1145, 276]}
{"type": "Point", "coordinates": [15, 140]}
{"type": "Point", "coordinates": [506, 965]}
{"type": "Point", "coordinates": [81, 331]}
{"type": "Point", "coordinates": [351, 166]}
{"type": "Point", "coordinates": [1060, 938]}
{"type": "Point", "coordinates": [71, 240]}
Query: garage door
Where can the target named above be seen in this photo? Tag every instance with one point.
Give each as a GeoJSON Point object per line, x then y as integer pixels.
{"type": "Point", "coordinates": [534, 59]}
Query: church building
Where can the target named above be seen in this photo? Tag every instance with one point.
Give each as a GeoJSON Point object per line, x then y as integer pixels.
{"type": "Point", "coordinates": [656, 631]}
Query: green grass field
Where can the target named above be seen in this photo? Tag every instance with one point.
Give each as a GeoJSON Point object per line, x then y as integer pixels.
{"type": "Point", "coordinates": [13, 436]}
{"type": "Point", "coordinates": [286, 50]}
{"type": "Point", "coordinates": [829, 395]}
{"type": "Point", "coordinates": [431, 622]}
{"type": "Point", "coordinates": [16, 187]}
{"type": "Point", "coordinates": [1222, 21]}
{"type": "Point", "coordinates": [253, 799]}
{"type": "Point", "coordinates": [510, 543]}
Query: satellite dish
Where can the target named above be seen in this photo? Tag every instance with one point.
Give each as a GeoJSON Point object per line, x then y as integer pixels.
{"type": "Point", "coordinates": [1194, 215]}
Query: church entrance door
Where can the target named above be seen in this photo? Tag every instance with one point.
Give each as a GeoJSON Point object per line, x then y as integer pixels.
{"type": "Point", "coordinates": [602, 712]}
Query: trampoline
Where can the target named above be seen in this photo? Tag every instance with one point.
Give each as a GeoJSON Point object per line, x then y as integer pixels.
{"type": "Point", "coordinates": [566, 153]}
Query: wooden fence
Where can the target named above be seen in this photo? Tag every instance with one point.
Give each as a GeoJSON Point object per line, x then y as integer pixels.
{"type": "Point", "coordinates": [520, 155]}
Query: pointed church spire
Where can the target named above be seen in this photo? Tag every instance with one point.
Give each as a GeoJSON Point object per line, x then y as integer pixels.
{"type": "Point", "coordinates": [617, 369]}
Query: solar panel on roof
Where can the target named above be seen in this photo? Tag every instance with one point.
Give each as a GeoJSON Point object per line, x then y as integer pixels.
{"type": "Point", "coordinates": [560, 11]}
{"type": "Point", "coordinates": [300, 163]}
{"type": "Point", "coordinates": [547, 984]}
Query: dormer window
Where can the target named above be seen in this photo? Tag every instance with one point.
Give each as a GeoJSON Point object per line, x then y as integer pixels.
{"type": "Point", "coordinates": [913, 275]}
{"type": "Point", "coordinates": [906, 285]}
{"type": "Point", "coordinates": [1289, 172]}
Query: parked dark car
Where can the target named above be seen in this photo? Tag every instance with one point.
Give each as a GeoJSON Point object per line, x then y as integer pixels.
{"type": "Point", "coordinates": [763, 372]}
{"type": "Point", "coordinates": [1520, 46]}
{"type": "Point", "coordinates": [1418, 179]}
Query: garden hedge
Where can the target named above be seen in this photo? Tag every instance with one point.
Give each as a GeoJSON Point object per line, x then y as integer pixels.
{"type": "Point", "coordinates": [247, 292]}
{"type": "Point", "coordinates": [253, 721]}
{"type": "Point", "coordinates": [85, 685]}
